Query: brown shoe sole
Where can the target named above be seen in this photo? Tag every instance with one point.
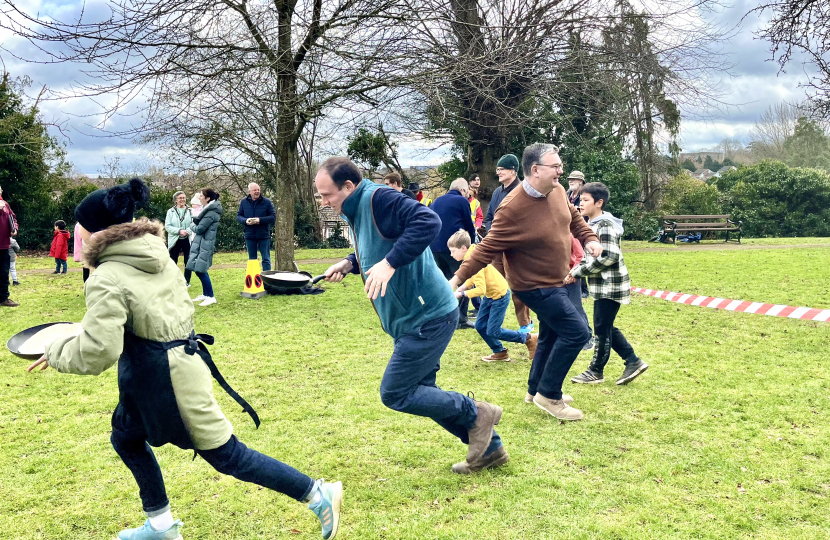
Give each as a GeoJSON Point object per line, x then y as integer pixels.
{"type": "Point", "coordinates": [466, 468]}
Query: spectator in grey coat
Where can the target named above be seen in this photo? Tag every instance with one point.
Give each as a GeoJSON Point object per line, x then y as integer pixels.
{"type": "Point", "coordinates": [205, 226]}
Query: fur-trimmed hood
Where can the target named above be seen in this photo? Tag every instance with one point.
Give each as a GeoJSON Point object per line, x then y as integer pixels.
{"type": "Point", "coordinates": [140, 244]}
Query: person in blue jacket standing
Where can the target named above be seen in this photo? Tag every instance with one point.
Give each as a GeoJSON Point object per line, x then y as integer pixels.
{"type": "Point", "coordinates": [258, 215]}
{"type": "Point", "coordinates": [391, 234]}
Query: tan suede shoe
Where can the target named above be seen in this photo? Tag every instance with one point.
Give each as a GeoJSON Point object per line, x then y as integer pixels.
{"type": "Point", "coordinates": [557, 408]}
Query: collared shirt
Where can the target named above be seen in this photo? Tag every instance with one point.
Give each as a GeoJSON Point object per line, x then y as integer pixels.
{"type": "Point", "coordinates": [530, 190]}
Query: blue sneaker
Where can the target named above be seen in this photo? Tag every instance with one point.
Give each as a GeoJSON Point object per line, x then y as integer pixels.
{"type": "Point", "coordinates": [147, 532]}
{"type": "Point", "coordinates": [328, 508]}
{"type": "Point", "coordinates": [526, 329]}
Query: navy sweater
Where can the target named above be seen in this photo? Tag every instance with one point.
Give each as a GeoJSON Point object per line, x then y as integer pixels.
{"type": "Point", "coordinates": [263, 209]}
{"type": "Point", "coordinates": [405, 220]}
{"type": "Point", "coordinates": [454, 211]}
{"type": "Point", "coordinates": [498, 196]}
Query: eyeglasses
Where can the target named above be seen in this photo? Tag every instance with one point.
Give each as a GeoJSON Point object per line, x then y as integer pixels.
{"type": "Point", "coordinates": [556, 166]}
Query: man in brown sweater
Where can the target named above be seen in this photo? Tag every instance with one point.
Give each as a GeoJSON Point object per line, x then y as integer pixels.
{"type": "Point", "coordinates": [532, 229]}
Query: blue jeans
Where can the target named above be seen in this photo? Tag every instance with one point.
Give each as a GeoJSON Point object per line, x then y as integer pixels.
{"type": "Point", "coordinates": [562, 333]}
{"type": "Point", "coordinates": [60, 265]}
{"type": "Point", "coordinates": [408, 384]}
{"type": "Point", "coordinates": [575, 295]}
{"type": "Point", "coordinates": [207, 286]}
{"type": "Point", "coordinates": [232, 458]}
{"type": "Point", "coordinates": [264, 247]}
{"type": "Point", "coordinates": [489, 321]}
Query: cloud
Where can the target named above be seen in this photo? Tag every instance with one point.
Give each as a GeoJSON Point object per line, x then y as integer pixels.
{"type": "Point", "coordinates": [754, 83]}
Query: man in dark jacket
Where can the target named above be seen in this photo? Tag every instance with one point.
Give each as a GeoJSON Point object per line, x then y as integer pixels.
{"type": "Point", "coordinates": [8, 227]}
{"type": "Point", "coordinates": [454, 211]}
{"type": "Point", "coordinates": [257, 214]}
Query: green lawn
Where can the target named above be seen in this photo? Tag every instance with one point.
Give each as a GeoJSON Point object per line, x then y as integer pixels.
{"type": "Point", "coordinates": [724, 437]}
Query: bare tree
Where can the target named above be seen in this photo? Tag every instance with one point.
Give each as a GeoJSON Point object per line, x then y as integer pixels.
{"type": "Point", "coordinates": [776, 124]}
{"type": "Point", "coordinates": [233, 83]}
{"type": "Point", "coordinates": [490, 59]}
{"type": "Point", "coordinates": [801, 26]}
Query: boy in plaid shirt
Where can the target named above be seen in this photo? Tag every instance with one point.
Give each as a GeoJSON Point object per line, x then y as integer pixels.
{"type": "Point", "coordinates": [608, 285]}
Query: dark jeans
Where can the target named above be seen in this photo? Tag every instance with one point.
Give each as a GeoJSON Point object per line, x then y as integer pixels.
{"type": "Point", "coordinates": [207, 287]}
{"type": "Point", "coordinates": [408, 384]}
{"type": "Point", "coordinates": [182, 246]}
{"type": "Point", "coordinates": [5, 263]}
{"type": "Point", "coordinates": [562, 333]}
{"type": "Point", "coordinates": [575, 295]}
{"type": "Point", "coordinates": [489, 321]}
{"type": "Point", "coordinates": [264, 247]}
{"type": "Point", "coordinates": [605, 312]}
{"type": "Point", "coordinates": [60, 266]}
{"type": "Point", "coordinates": [232, 458]}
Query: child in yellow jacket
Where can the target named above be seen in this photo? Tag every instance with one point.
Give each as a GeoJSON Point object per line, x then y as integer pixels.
{"type": "Point", "coordinates": [490, 284]}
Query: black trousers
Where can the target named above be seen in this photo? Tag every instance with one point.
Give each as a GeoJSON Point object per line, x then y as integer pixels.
{"type": "Point", "coordinates": [5, 263]}
{"type": "Point", "coordinates": [182, 246]}
{"type": "Point", "coordinates": [605, 312]}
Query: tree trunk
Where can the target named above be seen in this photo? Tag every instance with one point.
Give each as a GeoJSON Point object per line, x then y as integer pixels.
{"type": "Point", "coordinates": [284, 184]}
{"type": "Point", "coordinates": [481, 160]}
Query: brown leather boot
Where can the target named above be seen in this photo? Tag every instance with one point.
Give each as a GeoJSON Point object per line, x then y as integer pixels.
{"type": "Point", "coordinates": [497, 357]}
{"type": "Point", "coordinates": [482, 431]}
{"type": "Point", "coordinates": [496, 458]}
{"type": "Point", "coordinates": [531, 342]}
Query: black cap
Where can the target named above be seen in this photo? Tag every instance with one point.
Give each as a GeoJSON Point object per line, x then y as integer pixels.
{"type": "Point", "coordinates": [414, 186]}
{"type": "Point", "coordinates": [107, 207]}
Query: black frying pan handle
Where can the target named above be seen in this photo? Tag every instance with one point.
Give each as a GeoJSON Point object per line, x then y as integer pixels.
{"type": "Point", "coordinates": [318, 278]}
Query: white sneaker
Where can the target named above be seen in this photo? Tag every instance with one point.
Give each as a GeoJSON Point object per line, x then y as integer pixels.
{"type": "Point", "coordinates": [199, 298]}
{"type": "Point", "coordinates": [208, 301]}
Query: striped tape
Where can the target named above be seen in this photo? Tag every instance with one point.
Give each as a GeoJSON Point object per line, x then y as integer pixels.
{"type": "Point", "coordinates": [773, 310]}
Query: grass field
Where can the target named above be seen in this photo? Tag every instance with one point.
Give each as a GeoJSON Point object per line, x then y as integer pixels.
{"type": "Point", "coordinates": [724, 437]}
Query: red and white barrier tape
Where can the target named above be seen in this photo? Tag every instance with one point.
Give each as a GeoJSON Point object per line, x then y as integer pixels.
{"type": "Point", "coordinates": [774, 310]}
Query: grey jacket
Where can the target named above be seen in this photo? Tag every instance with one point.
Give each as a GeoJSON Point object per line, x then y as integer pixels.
{"type": "Point", "coordinates": [205, 226]}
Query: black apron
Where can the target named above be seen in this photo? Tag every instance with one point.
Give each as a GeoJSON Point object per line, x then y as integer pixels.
{"type": "Point", "coordinates": [147, 402]}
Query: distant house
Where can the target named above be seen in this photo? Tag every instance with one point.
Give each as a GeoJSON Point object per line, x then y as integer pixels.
{"type": "Point", "coordinates": [726, 169]}
{"type": "Point", "coordinates": [702, 174]}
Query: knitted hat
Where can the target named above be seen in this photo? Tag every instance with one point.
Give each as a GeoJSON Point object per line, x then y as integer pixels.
{"type": "Point", "coordinates": [414, 186]}
{"type": "Point", "coordinates": [577, 175]}
{"type": "Point", "coordinates": [107, 207]}
{"type": "Point", "coordinates": [195, 201]}
{"type": "Point", "coordinates": [508, 161]}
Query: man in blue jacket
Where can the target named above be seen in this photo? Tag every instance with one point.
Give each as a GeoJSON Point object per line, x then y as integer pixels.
{"type": "Point", "coordinates": [454, 211]}
{"type": "Point", "coordinates": [416, 306]}
{"type": "Point", "coordinates": [257, 214]}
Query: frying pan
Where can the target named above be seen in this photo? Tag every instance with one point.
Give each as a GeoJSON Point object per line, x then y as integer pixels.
{"type": "Point", "coordinates": [14, 343]}
{"type": "Point", "coordinates": [289, 280]}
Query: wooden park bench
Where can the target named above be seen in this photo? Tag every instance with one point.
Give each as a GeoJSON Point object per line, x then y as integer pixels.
{"type": "Point", "coordinates": [674, 225]}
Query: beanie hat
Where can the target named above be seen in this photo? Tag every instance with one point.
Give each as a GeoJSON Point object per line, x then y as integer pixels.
{"type": "Point", "coordinates": [107, 207]}
{"type": "Point", "coordinates": [508, 161]}
{"type": "Point", "coordinates": [414, 186]}
{"type": "Point", "coordinates": [577, 175]}
{"type": "Point", "coordinates": [195, 200]}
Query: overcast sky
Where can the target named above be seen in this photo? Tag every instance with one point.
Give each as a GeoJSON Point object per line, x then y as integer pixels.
{"type": "Point", "coordinates": [753, 85]}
